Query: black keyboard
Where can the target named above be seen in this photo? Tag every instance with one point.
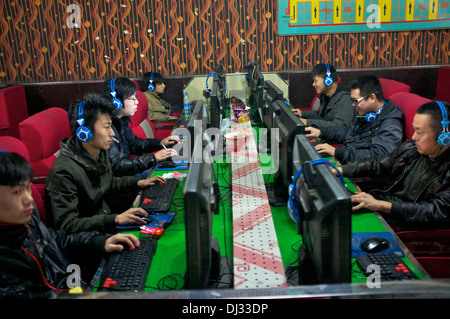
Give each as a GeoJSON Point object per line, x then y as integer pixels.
{"type": "Point", "coordinates": [391, 266]}
{"type": "Point", "coordinates": [315, 141]}
{"type": "Point", "coordinates": [158, 198]}
{"type": "Point", "coordinates": [128, 269]}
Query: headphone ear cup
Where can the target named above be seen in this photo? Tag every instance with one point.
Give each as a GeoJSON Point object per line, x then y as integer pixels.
{"type": "Point", "coordinates": [292, 206]}
{"type": "Point", "coordinates": [151, 87]}
{"type": "Point", "coordinates": [370, 117]}
{"type": "Point", "coordinates": [444, 139]}
{"type": "Point", "coordinates": [117, 103]}
{"type": "Point", "coordinates": [328, 81]}
{"type": "Point", "coordinates": [84, 134]}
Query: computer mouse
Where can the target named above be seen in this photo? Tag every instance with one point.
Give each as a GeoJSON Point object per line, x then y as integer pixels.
{"type": "Point", "coordinates": [168, 164]}
{"type": "Point", "coordinates": [375, 244]}
{"type": "Point", "coordinates": [148, 219]}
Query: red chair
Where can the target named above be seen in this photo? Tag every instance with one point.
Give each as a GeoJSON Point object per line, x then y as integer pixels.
{"type": "Point", "coordinates": [409, 102]}
{"type": "Point", "coordinates": [42, 134]}
{"type": "Point", "coordinates": [442, 87]}
{"type": "Point", "coordinates": [142, 126]}
{"type": "Point", "coordinates": [390, 87]}
{"type": "Point", "coordinates": [431, 249]}
{"type": "Point", "coordinates": [14, 145]}
{"type": "Point", "coordinates": [13, 109]}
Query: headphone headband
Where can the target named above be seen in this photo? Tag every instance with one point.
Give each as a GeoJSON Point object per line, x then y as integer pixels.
{"type": "Point", "coordinates": [83, 133]}
{"type": "Point", "coordinates": [117, 103]}
{"type": "Point", "coordinates": [328, 81]}
{"type": "Point", "coordinates": [444, 138]}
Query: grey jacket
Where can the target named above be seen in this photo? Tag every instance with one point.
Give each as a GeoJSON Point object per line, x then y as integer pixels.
{"type": "Point", "coordinates": [335, 111]}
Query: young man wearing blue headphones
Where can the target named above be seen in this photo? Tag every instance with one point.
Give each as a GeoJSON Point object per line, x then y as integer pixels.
{"type": "Point", "coordinates": [81, 178]}
{"type": "Point", "coordinates": [335, 105]}
{"type": "Point", "coordinates": [158, 109]}
{"type": "Point", "coordinates": [378, 127]}
{"type": "Point", "coordinates": [416, 175]}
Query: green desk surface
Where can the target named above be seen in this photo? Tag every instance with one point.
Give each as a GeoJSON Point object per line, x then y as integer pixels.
{"type": "Point", "coordinates": [169, 262]}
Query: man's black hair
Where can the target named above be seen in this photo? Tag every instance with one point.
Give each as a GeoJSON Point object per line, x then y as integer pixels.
{"type": "Point", "coordinates": [157, 79]}
{"type": "Point", "coordinates": [94, 104]}
{"type": "Point", "coordinates": [321, 70]}
{"type": "Point", "coordinates": [433, 109]}
{"type": "Point", "coordinates": [14, 169]}
{"type": "Point", "coordinates": [368, 84]}
{"type": "Point", "coordinates": [124, 88]}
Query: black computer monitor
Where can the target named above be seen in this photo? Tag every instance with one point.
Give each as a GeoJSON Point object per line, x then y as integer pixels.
{"type": "Point", "coordinates": [197, 123]}
{"type": "Point", "coordinates": [205, 266]}
{"type": "Point", "coordinates": [271, 95]}
{"type": "Point", "coordinates": [324, 208]}
{"type": "Point", "coordinates": [216, 102]}
{"type": "Point", "coordinates": [255, 81]}
{"type": "Point", "coordinates": [289, 125]}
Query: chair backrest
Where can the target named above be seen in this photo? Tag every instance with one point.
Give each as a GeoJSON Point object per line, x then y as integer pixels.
{"type": "Point", "coordinates": [42, 134]}
{"type": "Point", "coordinates": [13, 109]}
{"type": "Point", "coordinates": [390, 87]}
{"type": "Point", "coordinates": [14, 145]}
{"type": "Point", "coordinates": [442, 84]}
{"type": "Point", "coordinates": [409, 102]}
{"type": "Point", "coordinates": [142, 110]}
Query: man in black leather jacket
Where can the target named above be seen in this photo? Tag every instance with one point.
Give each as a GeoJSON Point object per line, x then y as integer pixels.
{"type": "Point", "coordinates": [417, 175]}
{"type": "Point", "coordinates": [147, 152]}
{"type": "Point", "coordinates": [377, 129]}
{"type": "Point", "coordinates": [34, 259]}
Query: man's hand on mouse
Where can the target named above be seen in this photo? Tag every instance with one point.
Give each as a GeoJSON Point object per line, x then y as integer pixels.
{"type": "Point", "coordinates": [170, 140]}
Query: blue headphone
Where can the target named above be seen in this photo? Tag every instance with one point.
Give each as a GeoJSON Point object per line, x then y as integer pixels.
{"type": "Point", "coordinates": [444, 138]}
{"type": "Point", "coordinates": [207, 78]}
{"type": "Point", "coordinates": [84, 134]}
{"type": "Point", "coordinates": [117, 103]}
{"type": "Point", "coordinates": [292, 205]}
{"type": "Point", "coordinates": [151, 86]}
{"type": "Point", "coordinates": [260, 69]}
{"type": "Point", "coordinates": [370, 117]}
{"type": "Point", "coordinates": [328, 80]}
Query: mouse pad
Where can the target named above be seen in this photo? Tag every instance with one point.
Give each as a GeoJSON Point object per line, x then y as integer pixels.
{"type": "Point", "coordinates": [358, 238]}
{"type": "Point", "coordinates": [159, 221]}
{"type": "Point", "coordinates": [181, 166]}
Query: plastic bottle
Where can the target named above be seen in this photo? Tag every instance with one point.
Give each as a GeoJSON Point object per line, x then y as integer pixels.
{"type": "Point", "coordinates": [186, 104]}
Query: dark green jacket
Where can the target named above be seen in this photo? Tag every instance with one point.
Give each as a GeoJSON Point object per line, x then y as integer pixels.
{"type": "Point", "coordinates": [336, 111]}
{"type": "Point", "coordinates": [76, 188]}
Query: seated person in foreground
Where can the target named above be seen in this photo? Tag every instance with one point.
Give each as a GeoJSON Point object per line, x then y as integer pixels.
{"type": "Point", "coordinates": [26, 244]}
{"type": "Point", "coordinates": [126, 143]}
{"type": "Point", "coordinates": [377, 129]}
{"type": "Point", "coordinates": [336, 108]}
{"type": "Point", "coordinates": [158, 108]}
{"type": "Point", "coordinates": [417, 173]}
{"type": "Point", "coordinates": [82, 176]}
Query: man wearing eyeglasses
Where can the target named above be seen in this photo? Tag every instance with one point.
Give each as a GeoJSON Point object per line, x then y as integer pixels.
{"type": "Point", "coordinates": [378, 127]}
{"type": "Point", "coordinates": [150, 151]}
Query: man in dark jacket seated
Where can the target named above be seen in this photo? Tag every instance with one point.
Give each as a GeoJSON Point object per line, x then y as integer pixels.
{"type": "Point", "coordinates": [335, 104]}
{"type": "Point", "coordinates": [81, 178]}
{"type": "Point", "coordinates": [34, 259]}
{"type": "Point", "coordinates": [377, 129]}
{"type": "Point", "coordinates": [416, 174]}
{"type": "Point", "coordinates": [123, 92]}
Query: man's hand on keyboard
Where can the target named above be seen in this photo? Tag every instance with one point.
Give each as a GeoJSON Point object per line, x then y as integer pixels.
{"type": "Point", "coordinates": [132, 216]}
{"type": "Point", "coordinates": [143, 183]}
{"type": "Point", "coordinates": [118, 241]}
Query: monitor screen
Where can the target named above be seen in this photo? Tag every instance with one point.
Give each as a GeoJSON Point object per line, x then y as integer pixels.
{"type": "Point", "coordinates": [216, 103]}
{"type": "Point", "coordinates": [204, 263]}
{"type": "Point", "coordinates": [289, 125]}
{"type": "Point", "coordinates": [325, 218]}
